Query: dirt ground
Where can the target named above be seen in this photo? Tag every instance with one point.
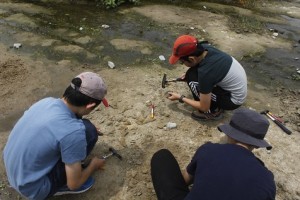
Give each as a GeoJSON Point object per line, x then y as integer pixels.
{"type": "Point", "coordinates": [127, 125]}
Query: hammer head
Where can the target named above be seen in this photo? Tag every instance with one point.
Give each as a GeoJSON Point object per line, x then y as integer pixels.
{"type": "Point", "coordinates": [164, 81]}
{"type": "Point", "coordinates": [115, 153]}
{"type": "Point", "coordinates": [264, 112]}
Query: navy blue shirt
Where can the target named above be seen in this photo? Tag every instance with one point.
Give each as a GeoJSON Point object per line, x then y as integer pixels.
{"type": "Point", "coordinates": [229, 172]}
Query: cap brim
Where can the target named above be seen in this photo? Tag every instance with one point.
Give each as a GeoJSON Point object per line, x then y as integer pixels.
{"type": "Point", "coordinates": [105, 102]}
{"type": "Point", "coordinates": [243, 137]}
{"type": "Point", "coordinates": [173, 59]}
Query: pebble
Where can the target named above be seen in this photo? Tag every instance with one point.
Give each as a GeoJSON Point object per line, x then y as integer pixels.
{"type": "Point", "coordinates": [111, 64]}
{"type": "Point", "coordinates": [105, 26]}
{"type": "Point", "coordinates": [161, 57]}
{"type": "Point", "coordinates": [17, 45]}
{"type": "Point", "coordinates": [171, 125]}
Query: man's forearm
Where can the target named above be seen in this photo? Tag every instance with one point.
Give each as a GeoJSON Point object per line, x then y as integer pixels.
{"type": "Point", "coordinates": [196, 104]}
{"type": "Point", "coordinates": [187, 177]}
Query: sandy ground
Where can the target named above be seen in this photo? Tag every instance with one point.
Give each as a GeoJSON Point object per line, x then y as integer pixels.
{"type": "Point", "coordinates": [127, 125]}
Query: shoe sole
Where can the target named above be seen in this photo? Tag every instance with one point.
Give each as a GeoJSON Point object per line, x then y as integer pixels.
{"type": "Point", "coordinates": [71, 192]}
{"type": "Point", "coordinates": [206, 119]}
{"type": "Point", "coordinates": [63, 192]}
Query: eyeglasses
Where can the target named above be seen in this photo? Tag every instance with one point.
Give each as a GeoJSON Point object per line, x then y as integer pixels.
{"type": "Point", "coordinates": [183, 59]}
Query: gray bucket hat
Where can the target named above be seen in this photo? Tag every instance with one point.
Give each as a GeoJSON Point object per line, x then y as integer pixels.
{"type": "Point", "coordinates": [247, 126]}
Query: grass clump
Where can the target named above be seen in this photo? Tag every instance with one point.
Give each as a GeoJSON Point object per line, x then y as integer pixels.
{"type": "Point", "coordinates": [115, 3]}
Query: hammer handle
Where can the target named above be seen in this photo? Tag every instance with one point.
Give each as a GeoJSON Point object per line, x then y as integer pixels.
{"type": "Point", "coordinates": [107, 156]}
{"type": "Point", "coordinates": [281, 125]}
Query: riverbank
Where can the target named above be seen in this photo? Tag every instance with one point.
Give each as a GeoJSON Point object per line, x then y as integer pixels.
{"type": "Point", "coordinates": [136, 83]}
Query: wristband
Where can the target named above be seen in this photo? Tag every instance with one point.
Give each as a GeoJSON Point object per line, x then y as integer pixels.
{"type": "Point", "coordinates": [181, 99]}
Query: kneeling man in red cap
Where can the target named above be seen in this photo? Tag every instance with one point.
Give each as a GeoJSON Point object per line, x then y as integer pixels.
{"type": "Point", "coordinates": [217, 80]}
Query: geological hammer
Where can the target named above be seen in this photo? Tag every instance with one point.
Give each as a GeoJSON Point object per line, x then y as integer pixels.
{"type": "Point", "coordinates": [113, 152]}
{"type": "Point", "coordinates": [276, 121]}
{"type": "Point", "coordinates": [165, 82]}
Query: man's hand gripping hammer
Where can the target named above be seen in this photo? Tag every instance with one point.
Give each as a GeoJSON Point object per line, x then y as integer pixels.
{"type": "Point", "coordinates": [113, 152]}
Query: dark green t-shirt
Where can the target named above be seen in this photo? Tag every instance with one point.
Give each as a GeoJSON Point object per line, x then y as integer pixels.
{"type": "Point", "coordinates": [211, 70]}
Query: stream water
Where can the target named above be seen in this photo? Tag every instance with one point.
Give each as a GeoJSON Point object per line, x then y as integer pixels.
{"type": "Point", "coordinates": [64, 22]}
{"type": "Point", "coordinates": [67, 22]}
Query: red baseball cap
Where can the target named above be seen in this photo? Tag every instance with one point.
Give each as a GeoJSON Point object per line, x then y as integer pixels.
{"type": "Point", "coordinates": [184, 45]}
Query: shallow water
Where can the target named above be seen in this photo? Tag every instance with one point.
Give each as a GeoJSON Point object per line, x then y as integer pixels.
{"type": "Point", "coordinates": [67, 24]}
{"type": "Point", "coordinates": [280, 65]}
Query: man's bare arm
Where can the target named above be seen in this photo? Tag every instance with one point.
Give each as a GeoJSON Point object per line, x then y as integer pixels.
{"type": "Point", "coordinates": [76, 176]}
{"type": "Point", "coordinates": [187, 177]}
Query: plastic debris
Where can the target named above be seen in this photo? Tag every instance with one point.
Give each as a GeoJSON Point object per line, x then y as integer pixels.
{"type": "Point", "coordinates": [171, 125]}
{"type": "Point", "coordinates": [105, 26]}
{"type": "Point", "coordinates": [204, 7]}
{"type": "Point", "coordinates": [17, 45]}
{"type": "Point", "coordinates": [161, 57]}
{"type": "Point", "coordinates": [192, 28]}
{"type": "Point", "coordinates": [275, 34]}
{"type": "Point", "coordinates": [298, 71]}
{"type": "Point", "coordinates": [80, 28]}
{"type": "Point", "coordinates": [111, 64]}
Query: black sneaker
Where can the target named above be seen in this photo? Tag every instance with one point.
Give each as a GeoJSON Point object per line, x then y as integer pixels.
{"type": "Point", "coordinates": [202, 116]}
{"type": "Point", "coordinates": [86, 186]}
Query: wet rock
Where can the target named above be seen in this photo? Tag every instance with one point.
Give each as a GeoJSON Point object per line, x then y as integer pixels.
{"type": "Point", "coordinates": [22, 19]}
{"type": "Point", "coordinates": [64, 63]}
{"type": "Point", "coordinates": [146, 51]}
{"type": "Point", "coordinates": [83, 40]}
{"type": "Point", "coordinates": [69, 49]}
{"type": "Point", "coordinates": [48, 42]}
{"type": "Point", "coordinates": [125, 44]}
{"type": "Point", "coordinates": [3, 12]}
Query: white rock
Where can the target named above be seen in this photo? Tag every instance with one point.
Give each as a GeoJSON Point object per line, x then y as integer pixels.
{"type": "Point", "coordinates": [161, 57]}
{"type": "Point", "coordinates": [111, 64]}
{"type": "Point", "coordinates": [17, 45]}
{"type": "Point", "coordinates": [171, 125]}
{"type": "Point", "coordinates": [105, 26]}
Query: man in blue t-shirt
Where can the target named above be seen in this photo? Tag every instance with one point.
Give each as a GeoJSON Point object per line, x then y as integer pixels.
{"type": "Point", "coordinates": [45, 150]}
{"type": "Point", "coordinates": [217, 80]}
{"type": "Point", "coordinates": [219, 171]}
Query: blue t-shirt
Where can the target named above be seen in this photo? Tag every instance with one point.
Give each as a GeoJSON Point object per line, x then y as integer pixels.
{"type": "Point", "coordinates": [48, 131]}
{"type": "Point", "coordinates": [229, 172]}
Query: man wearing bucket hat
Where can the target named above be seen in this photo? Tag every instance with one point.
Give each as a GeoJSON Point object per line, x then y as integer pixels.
{"type": "Point", "coordinates": [217, 81]}
{"type": "Point", "coordinates": [45, 150]}
{"type": "Point", "coordinates": [220, 171]}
